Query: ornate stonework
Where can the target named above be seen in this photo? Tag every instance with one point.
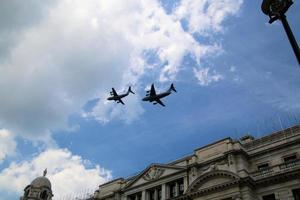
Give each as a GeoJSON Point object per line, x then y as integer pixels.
{"type": "Point", "coordinates": [212, 179]}
{"type": "Point", "coordinates": [153, 173]}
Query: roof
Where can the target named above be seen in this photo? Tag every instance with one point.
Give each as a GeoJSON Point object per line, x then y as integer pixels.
{"type": "Point", "coordinates": [41, 181]}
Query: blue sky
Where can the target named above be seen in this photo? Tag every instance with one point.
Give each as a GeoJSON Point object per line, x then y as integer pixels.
{"type": "Point", "coordinates": [235, 74]}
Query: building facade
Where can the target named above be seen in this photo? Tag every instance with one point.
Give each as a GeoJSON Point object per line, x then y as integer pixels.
{"type": "Point", "coordinates": [267, 168]}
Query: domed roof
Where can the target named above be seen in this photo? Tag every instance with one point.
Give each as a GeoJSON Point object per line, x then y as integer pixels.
{"type": "Point", "coordinates": [41, 181]}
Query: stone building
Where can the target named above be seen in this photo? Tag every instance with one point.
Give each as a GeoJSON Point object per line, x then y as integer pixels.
{"type": "Point", "coordinates": [267, 168]}
{"type": "Point", "coordinates": [38, 189]}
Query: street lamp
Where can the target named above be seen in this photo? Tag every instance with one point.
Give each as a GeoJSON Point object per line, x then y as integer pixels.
{"type": "Point", "coordinates": [276, 9]}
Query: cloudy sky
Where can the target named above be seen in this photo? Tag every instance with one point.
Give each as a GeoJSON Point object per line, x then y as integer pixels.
{"type": "Point", "coordinates": [234, 73]}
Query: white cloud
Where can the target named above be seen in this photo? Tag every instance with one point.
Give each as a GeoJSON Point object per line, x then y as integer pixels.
{"type": "Point", "coordinates": [105, 111]}
{"type": "Point", "coordinates": [61, 61]}
{"type": "Point", "coordinates": [207, 15]}
{"type": "Point", "coordinates": [7, 144]}
{"type": "Point", "coordinates": [58, 65]}
{"type": "Point", "coordinates": [69, 174]}
{"type": "Point", "coordinates": [205, 77]}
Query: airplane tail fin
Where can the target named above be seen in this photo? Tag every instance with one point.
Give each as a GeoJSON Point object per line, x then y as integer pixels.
{"type": "Point", "coordinates": [129, 90]}
{"type": "Point", "coordinates": [172, 88]}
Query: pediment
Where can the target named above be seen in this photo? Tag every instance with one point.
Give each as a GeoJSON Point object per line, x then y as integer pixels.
{"type": "Point", "coordinates": [217, 179]}
{"type": "Point", "coordinates": [152, 173]}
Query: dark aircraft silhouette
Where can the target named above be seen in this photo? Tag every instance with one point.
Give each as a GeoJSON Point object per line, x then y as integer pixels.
{"type": "Point", "coordinates": [116, 97]}
{"type": "Point", "coordinates": [152, 96]}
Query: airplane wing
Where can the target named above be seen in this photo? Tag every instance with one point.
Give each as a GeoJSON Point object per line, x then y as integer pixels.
{"type": "Point", "coordinates": [114, 92]}
{"type": "Point", "coordinates": [152, 91]}
{"type": "Point", "coordinates": [120, 101]}
{"type": "Point", "coordinates": [160, 102]}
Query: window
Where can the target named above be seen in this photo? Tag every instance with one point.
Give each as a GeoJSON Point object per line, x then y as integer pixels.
{"type": "Point", "coordinates": [290, 159]}
{"type": "Point", "coordinates": [269, 197]}
{"type": "Point", "coordinates": [296, 194]}
{"type": "Point", "coordinates": [263, 167]}
{"type": "Point", "coordinates": [44, 195]}
{"type": "Point", "coordinates": [131, 197]}
{"type": "Point", "coordinates": [151, 194]}
{"type": "Point", "coordinates": [181, 187]}
{"type": "Point", "coordinates": [154, 193]}
{"type": "Point", "coordinates": [139, 196]}
{"type": "Point", "coordinates": [176, 188]}
{"type": "Point", "coordinates": [172, 190]}
{"type": "Point", "coordinates": [159, 193]}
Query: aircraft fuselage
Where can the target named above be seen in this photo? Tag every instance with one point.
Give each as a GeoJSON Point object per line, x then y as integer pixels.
{"type": "Point", "coordinates": [158, 96]}
{"type": "Point", "coordinates": [117, 97]}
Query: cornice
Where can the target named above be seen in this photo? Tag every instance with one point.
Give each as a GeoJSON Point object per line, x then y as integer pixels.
{"type": "Point", "coordinates": [291, 131]}
{"type": "Point", "coordinates": [112, 181]}
{"type": "Point", "coordinates": [221, 157]}
{"type": "Point", "coordinates": [211, 144]}
{"type": "Point", "coordinates": [269, 149]}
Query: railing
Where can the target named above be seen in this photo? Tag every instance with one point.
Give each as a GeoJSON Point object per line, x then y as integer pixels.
{"type": "Point", "coordinates": [289, 165]}
{"type": "Point", "coordinates": [276, 169]}
{"type": "Point", "coordinates": [263, 172]}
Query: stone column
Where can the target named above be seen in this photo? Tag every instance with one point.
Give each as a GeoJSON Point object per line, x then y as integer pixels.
{"type": "Point", "coordinates": [155, 194]}
{"type": "Point", "coordinates": [285, 194]}
{"type": "Point", "coordinates": [144, 195]}
{"type": "Point", "coordinates": [290, 195]}
{"type": "Point", "coordinates": [185, 184]}
{"type": "Point", "coordinates": [176, 189]}
{"type": "Point", "coordinates": [163, 192]}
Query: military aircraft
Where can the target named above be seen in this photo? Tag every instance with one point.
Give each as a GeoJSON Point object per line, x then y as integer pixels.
{"type": "Point", "coordinates": [152, 96]}
{"type": "Point", "coordinates": [116, 97]}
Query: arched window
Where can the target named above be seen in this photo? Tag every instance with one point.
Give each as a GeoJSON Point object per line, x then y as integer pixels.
{"type": "Point", "coordinates": [44, 195]}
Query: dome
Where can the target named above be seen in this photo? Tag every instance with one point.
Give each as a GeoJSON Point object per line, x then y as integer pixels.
{"type": "Point", "coordinates": [41, 182]}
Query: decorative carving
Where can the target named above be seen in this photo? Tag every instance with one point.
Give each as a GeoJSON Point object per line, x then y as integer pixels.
{"type": "Point", "coordinates": [221, 177]}
{"type": "Point", "coordinates": [45, 172]}
{"type": "Point", "coordinates": [223, 162]}
{"type": "Point", "coordinates": [230, 159]}
{"type": "Point", "coordinates": [153, 174]}
{"type": "Point", "coordinates": [194, 171]}
{"type": "Point", "coordinates": [213, 167]}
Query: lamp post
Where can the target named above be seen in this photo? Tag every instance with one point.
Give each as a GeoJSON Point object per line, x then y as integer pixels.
{"type": "Point", "coordinates": [276, 9]}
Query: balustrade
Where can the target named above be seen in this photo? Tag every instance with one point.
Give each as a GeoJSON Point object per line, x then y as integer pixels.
{"type": "Point", "coordinates": [276, 169]}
